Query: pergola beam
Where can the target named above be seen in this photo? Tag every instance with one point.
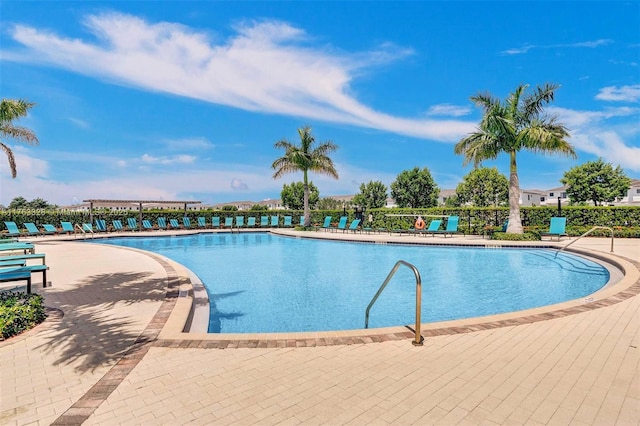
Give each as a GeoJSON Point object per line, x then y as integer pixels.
{"type": "Point", "coordinates": [140, 203]}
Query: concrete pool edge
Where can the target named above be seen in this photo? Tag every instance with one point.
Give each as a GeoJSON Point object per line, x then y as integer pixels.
{"type": "Point", "coordinates": [173, 334]}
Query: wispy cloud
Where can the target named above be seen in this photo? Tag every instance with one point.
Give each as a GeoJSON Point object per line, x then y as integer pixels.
{"type": "Point", "coordinates": [623, 93]}
{"type": "Point", "coordinates": [600, 133]}
{"type": "Point", "coordinates": [449, 110]}
{"type": "Point", "coordinates": [527, 47]}
{"type": "Point", "coordinates": [79, 123]}
{"type": "Point", "coordinates": [266, 66]}
{"type": "Point", "coordinates": [178, 159]}
{"type": "Point", "coordinates": [199, 143]}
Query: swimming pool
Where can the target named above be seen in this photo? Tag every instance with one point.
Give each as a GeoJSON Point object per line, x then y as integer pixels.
{"type": "Point", "coordinates": [260, 282]}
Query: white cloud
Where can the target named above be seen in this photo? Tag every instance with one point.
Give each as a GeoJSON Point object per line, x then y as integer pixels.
{"type": "Point", "coordinates": [238, 185]}
{"type": "Point", "coordinates": [527, 47]}
{"type": "Point", "coordinates": [199, 143]}
{"type": "Point", "coordinates": [79, 123]}
{"type": "Point", "coordinates": [625, 93]}
{"type": "Point", "coordinates": [591, 132]}
{"type": "Point", "coordinates": [178, 159]}
{"type": "Point", "coordinates": [449, 110]}
{"type": "Point", "coordinates": [264, 67]}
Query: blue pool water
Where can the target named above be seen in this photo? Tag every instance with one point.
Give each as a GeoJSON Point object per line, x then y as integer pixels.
{"type": "Point", "coordinates": [259, 282]}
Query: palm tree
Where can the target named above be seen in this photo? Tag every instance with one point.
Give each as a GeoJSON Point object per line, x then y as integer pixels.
{"type": "Point", "coordinates": [510, 126]}
{"type": "Point", "coordinates": [10, 110]}
{"type": "Point", "coordinates": [305, 158]}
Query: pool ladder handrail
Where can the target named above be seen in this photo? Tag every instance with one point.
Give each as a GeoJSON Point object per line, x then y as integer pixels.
{"type": "Point", "coordinates": [419, 339]}
{"type": "Point", "coordinates": [84, 231]}
{"type": "Point", "coordinates": [587, 233]}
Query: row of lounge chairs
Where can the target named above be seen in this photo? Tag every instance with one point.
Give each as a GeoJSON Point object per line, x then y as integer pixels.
{"type": "Point", "coordinates": [161, 223]}
{"type": "Point", "coordinates": [15, 266]}
{"type": "Point", "coordinates": [557, 226]}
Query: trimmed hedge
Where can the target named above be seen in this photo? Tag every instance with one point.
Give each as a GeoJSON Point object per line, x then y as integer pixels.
{"type": "Point", "coordinates": [19, 312]}
{"type": "Point", "coordinates": [473, 220]}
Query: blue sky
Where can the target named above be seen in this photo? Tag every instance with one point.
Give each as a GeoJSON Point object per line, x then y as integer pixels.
{"type": "Point", "coordinates": [184, 100]}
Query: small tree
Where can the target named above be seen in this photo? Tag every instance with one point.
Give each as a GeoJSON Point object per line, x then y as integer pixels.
{"type": "Point", "coordinates": [484, 187]}
{"type": "Point", "coordinates": [293, 195]}
{"type": "Point", "coordinates": [328, 203]}
{"type": "Point", "coordinates": [229, 208]}
{"type": "Point", "coordinates": [19, 203]}
{"type": "Point", "coordinates": [373, 195]}
{"type": "Point", "coordinates": [259, 208]}
{"type": "Point", "coordinates": [595, 181]}
{"type": "Point", "coordinates": [415, 188]}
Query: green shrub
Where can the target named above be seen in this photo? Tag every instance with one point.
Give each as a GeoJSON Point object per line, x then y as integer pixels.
{"type": "Point", "coordinates": [527, 236]}
{"type": "Point", "coordinates": [20, 312]}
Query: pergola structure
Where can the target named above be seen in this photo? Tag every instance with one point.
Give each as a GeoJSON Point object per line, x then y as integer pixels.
{"type": "Point", "coordinates": [139, 203]}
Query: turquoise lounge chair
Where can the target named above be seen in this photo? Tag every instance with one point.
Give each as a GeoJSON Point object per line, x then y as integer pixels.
{"type": "Point", "coordinates": [274, 221]}
{"type": "Point", "coordinates": [101, 225]}
{"type": "Point", "coordinates": [251, 222]}
{"type": "Point", "coordinates": [287, 222]}
{"type": "Point", "coordinates": [49, 229]}
{"type": "Point", "coordinates": [327, 223]}
{"type": "Point", "coordinates": [215, 222]}
{"type": "Point", "coordinates": [12, 229]}
{"type": "Point", "coordinates": [187, 222]}
{"type": "Point", "coordinates": [342, 224]}
{"type": "Point", "coordinates": [452, 226]}
{"type": "Point", "coordinates": [556, 228]}
{"type": "Point", "coordinates": [87, 227]}
{"type": "Point", "coordinates": [132, 224]}
{"type": "Point", "coordinates": [434, 227]}
{"type": "Point", "coordinates": [228, 222]}
{"type": "Point", "coordinates": [162, 223]}
{"type": "Point", "coordinates": [146, 224]}
{"type": "Point", "coordinates": [32, 229]}
{"type": "Point", "coordinates": [264, 221]}
{"type": "Point", "coordinates": [301, 223]}
{"type": "Point", "coordinates": [117, 225]}
{"type": "Point", "coordinates": [173, 223]}
{"type": "Point", "coordinates": [67, 227]}
{"type": "Point", "coordinates": [239, 221]}
{"type": "Point", "coordinates": [353, 226]}
{"type": "Point", "coordinates": [202, 222]}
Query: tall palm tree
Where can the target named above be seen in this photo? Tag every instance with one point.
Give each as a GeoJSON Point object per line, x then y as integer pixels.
{"type": "Point", "coordinates": [305, 157]}
{"type": "Point", "coordinates": [510, 126]}
{"type": "Point", "coordinates": [10, 110]}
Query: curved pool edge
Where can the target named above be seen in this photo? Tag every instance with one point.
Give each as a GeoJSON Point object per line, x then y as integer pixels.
{"type": "Point", "coordinates": [176, 332]}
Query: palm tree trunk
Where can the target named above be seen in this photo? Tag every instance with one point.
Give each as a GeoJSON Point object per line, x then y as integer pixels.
{"type": "Point", "coordinates": [307, 216]}
{"type": "Point", "coordinates": [515, 224]}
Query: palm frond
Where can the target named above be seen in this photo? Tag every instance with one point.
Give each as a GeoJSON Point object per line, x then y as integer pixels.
{"type": "Point", "coordinates": [11, 158]}
{"type": "Point", "coordinates": [533, 104]}
{"type": "Point", "coordinates": [21, 134]}
{"type": "Point", "coordinates": [12, 109]}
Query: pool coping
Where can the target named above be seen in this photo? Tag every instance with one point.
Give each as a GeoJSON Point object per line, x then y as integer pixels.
{"type": "Point", "coordinates": [174, 333]}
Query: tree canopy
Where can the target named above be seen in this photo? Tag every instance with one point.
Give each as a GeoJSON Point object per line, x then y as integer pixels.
{"type": "Point", "coordinates": [509, 126]}
{"type": "Point", "coordinates": [415, 188]}
{"type": "Point", "coordinates": [293, 195]}
{"type": "Point", "coordinates": [372, 195]}
{"type": "Point", "coordinates": [483, 187]}
{"type": "Point", "coordinates": [595, 181]}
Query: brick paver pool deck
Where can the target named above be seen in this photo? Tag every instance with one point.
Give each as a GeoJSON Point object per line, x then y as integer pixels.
{"type": "Point", "coordinates": [113, 352]}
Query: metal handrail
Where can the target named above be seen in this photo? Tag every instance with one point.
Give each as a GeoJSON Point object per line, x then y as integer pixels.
{"type": "Point", "coordinates": [84, 231]}
{"type": "Point", "coordinates": [587, 233]}
{"type": "Point", "coordinates": [419, 339]}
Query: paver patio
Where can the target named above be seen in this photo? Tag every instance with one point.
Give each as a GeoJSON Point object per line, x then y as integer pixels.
{"type": "Point", "coordinates": [107, 356]}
